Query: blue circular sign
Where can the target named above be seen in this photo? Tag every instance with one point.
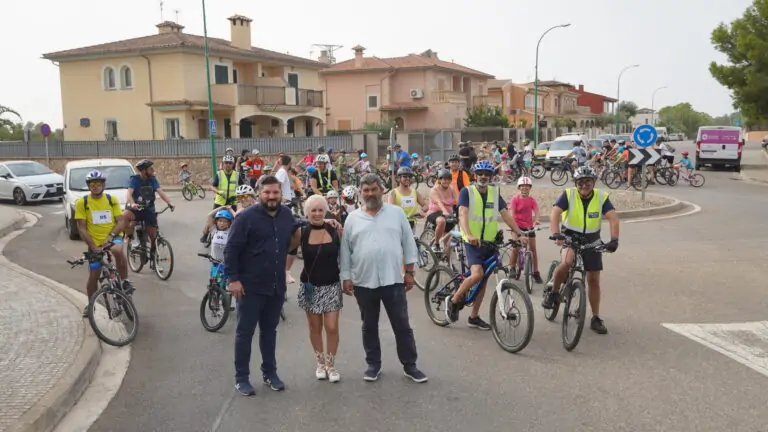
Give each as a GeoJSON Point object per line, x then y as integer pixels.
{"type": "Point", "coordinates": [45, 130]}
{"type": "Point", "coordinates": [645, 135]}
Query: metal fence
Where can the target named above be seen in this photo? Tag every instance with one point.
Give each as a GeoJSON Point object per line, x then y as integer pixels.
{"type": "Point", "coordinates": [9, 149]}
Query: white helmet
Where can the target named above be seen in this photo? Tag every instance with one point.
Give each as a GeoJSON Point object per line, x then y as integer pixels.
{"type": "Point", "coordinates": [230, 150]}
{"type": "Point", "coordinates": [244, 190]}
{"type": "Point", "coordinates": [332, 194]}
{"type": "Point", "coordinates": [349, 192]}
{"type": "Point", "coordinates": [524, 181]}
{"type": "Point", "coordinates": [323, 159]}
{"type": "Point", "coordinates": [255, 151]}
{"type": "Point", "coordinates": [228, 159]}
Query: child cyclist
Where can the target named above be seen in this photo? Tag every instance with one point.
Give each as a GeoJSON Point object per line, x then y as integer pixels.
{"type": "Point", "coordinates": [245, 196]}
{"type": "Point", "coordinates": [526, 211]}
{"type": "Point", "coordinates": [685, 163]}
{"type": "Point", "coordinates": [349, 202]}
{"type": "Point", "coordinates": [220, 220]}
{"type": "Point", "coordinates": [185, 175]}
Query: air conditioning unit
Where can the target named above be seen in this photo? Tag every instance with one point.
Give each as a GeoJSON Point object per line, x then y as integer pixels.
{"type": "Point", "coordinates": [417, 93]}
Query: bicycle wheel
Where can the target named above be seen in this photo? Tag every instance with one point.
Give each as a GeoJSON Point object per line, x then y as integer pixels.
{"type": "Point", "coordinates": [511, 314]}
{"type": "Point", "coordinates": [427, 237]}
{"type": "Point", "coordinates": [200, 192]}
{"type": "Point", "coordinates": [186, 193]}
{"type": "Point", "coordinates": [441, 282]}
{"type": "Point", "coordinates": [637, 182]}
{"type": "Point", "coordinates": [103, 314]}
{"type": "Point", "coordinates": [136, 259]}
{"type": "Point", "coordinates": [528, 272]}
{"type": "Point", "coordinates": [697, 180]}
{"type": "Point", "coordinates": [431, 181]}
{"type": "Point", "coordinates": [551, 314]}
{"type": "Point", "coordinates": [661, 175]}
{"type": "Point", "coordinates": [416, 180]}
{"type": "Point", "coordinates": [163, 266]}
{"type": "Point", "coordinates": [574, 320]}
{"type": "Point", "coordinates": [425, 262]}
{"type": "Point", "coordinates": [216, 302]}
{"type": "Point", "coordinates": [673, 176]}
{"type": "Point", "coordinates": [558, 177]}
{"type": "Point", "coordinates": [538, 171]}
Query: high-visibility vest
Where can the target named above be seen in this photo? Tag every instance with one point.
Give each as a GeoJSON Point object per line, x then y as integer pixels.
{"type": "Point", "coordinates": [324, 184]}
{"type": "Point", "coordinates": [483, 219]}
{"type": "Point", "coordinates": [577, 219]}
{"type": "Point", "coordinates": [409, 203]}
{"type": "Point", "coordinates": [227, 187]}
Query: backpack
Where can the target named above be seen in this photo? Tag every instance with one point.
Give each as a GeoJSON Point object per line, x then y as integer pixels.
{"type": "Point", "coordinates": [85, 201]}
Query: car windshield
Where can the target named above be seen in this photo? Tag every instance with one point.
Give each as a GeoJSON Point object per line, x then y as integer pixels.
{"type": "Point", "coordinates": [562, 145]}
{"type": "Point", "coordinates": [117, 177]}
{"type": "Point", "coordinates": [623, 137]}
{"type": "Point", "coordinates": [26, 169]}
{"type": "Point", "coordinates": [544, 146]}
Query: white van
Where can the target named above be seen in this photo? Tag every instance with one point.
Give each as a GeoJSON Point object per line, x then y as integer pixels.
{"type": "Point", "coordinates": [719, 146]}
{"type": "Point", "coordinates": [118, 173]}
{"type": "Point", "coordinates": [661, 131]}
{"type": "Point", "coordinates": [561, 147]}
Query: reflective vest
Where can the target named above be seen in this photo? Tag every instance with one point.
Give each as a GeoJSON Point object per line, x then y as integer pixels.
{"type": "Point", "coordinates": [324, 185]}
{"type": "Point", "coordinates": [579, 219]}
{"type": "Point", "coordinates": [409, 203]}
{"type": "Point", "coordinates": [227, 188]}
{"type": "Point", "coordinates": [483, 219]}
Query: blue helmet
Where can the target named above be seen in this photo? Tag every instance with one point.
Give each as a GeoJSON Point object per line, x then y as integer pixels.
{"type": "Point", "coordinates": [223, 214]}
{"type": "Point", "coordinates": [311, 169]}
{"type": "Point", "coordinates": [414, 156]}
{"type": "Point", "coordinates": [362, 155]}
{"type": "Point", "coordinates": [483, 165]}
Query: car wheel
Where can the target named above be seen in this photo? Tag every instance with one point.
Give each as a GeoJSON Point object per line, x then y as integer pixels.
{"type": "Point", "coordinates": [19, 197]}
{"type": "Point", "coordinates": [71, 228]}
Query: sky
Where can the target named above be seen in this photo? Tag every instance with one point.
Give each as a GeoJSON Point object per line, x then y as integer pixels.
{"type": "Point", "coordinates": [669, 39]}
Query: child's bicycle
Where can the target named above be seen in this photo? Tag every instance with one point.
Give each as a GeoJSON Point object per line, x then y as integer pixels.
{"type": "Point", "coordinates": [217, 300]}
{"type": "Point", "coordinates": [674, 175]}
{"type": "Point", "coordinates": [190, 189]}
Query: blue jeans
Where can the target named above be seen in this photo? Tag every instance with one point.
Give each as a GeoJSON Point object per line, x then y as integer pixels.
{"type": "Point", "coordinates": [264, 311]}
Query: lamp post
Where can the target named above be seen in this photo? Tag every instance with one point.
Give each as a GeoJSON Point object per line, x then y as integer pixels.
{"type": "Point", "coordinates": [618, 95]}
{"type": "Point", "coordinates": [536, 88]}
{"type": "Point", "coordinates": [653, 100]}
{"type": "Point", "coordinates": [210, 99]}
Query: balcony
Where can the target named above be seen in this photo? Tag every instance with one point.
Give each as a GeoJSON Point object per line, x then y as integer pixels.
{"type": "Point", "coordinates": [448, 97]}
{"type": "Point", "coordinates": [493, 101]}
{"type": "Point", "coordinates": [272, 98]}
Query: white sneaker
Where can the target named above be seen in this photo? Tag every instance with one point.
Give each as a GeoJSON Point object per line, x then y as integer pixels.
{"type": "Point", "coordinates": [333, 375]}
{"type": "Point", "coordinates": [321, 373]}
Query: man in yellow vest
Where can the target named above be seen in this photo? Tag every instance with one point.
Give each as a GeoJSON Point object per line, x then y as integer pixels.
{"type": "Point", "coordinates": [409, 200]}
{"type": "Point", "coordinates": [579, 212]}
{"type": "Point", "coordinates": [225, 184]}
{"type": "Point", "coordinates": [480, 208]}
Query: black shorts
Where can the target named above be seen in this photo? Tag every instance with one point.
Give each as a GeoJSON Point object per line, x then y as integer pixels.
{"type": "Point", "coordinates": [670, 159]}
{"type": "Point", "coordinates": [147, 215]}
{"type": "Point", "coordinates": [529, 235]}
{"type": "Point", "coordinates": [432, 219]}
{"type": "Point", "coordinates": [593, 260]}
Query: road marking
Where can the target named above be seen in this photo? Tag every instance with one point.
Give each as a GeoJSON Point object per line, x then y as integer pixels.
{"type": "Point", "coordinates": [747, 343]}
{"type": "Point", "coordinates": [58, 212]}
{"type": "Point", "coordinates": [696, 209]}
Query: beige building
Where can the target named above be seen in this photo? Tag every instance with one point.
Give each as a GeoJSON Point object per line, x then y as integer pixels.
{"type": "Point", "coordinates": [154, 87]}
{"type": "Point", "coordinates": [418, 91]}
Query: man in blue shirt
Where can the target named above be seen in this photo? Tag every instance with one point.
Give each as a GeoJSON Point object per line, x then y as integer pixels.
{"type": "Point", "coordinates": [402, 157]}
{"type": "Point", "coordinates": [140, 203]}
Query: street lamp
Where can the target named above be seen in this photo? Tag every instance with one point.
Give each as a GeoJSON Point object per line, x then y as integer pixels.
{"type": "Point", "coordinates": [618, 95]}
{"type": "Point", "coordinates": [210, 99]}
{"type": "Point", "coordinates": [536, 88]}
{"type": "Point", "coordinates": [653, 111]}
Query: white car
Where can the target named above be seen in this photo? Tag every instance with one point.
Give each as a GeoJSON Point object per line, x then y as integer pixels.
{"type": "Point", "coordinates": [29, 181]}
{"type": "Point", "coordinates": [561, 147]}
{"type": "Point", "coordinates": [118, 173]}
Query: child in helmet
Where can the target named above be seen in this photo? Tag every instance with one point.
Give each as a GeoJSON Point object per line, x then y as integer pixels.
{"type": "Point", "coordinates": [526, 210]}
{"type": "Point", "coordinates": [334, 209]}
{"type": "Point", "coordinates": [685, 163]}
{"type": "Point", "coordinates": [220, 220]}
{"type": "Point", "coordinates": [348, 201]}
{"type": "Point", "coordinates": [245, 196]}
{"type": "Point", "coordinates": [363, 166]}
{"type": "Point", "coordinates": [185, 174]}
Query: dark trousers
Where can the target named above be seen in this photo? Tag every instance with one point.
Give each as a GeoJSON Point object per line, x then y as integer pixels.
{"type": "Point", "coordinates": [396, 304]}
{"type": "Point", "coordinates": [253, 309]}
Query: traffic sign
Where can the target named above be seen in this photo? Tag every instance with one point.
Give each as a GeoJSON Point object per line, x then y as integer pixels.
{"type": "Point", "coordinates": [645, 135]}
{"type": "Point", "coordinates": [212, 127]}
{"type": "Point", "coordinates": [45, 130]}
{"type": "Point", "coordinates": [737, 123]}
{"type": "Point", "coordinates": [643, 156]}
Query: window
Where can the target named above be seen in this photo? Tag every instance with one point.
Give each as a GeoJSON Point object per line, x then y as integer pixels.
{"type": "Point", "coordinates": [172, 128]}
{"type": "Point", "coordinates": [126, 77]}
{"type": "Point", "coordinates": [28, 169]}
{"type": "Point", "coordinates": [109, 78]}
{"type": "Point", "coordinates": [290, 126]}
{"type": "Point", "coordinates": [221, 74]}
{"type": "Point", "coordinates": [529, 101]}
{"type": "Point", "coordinates": [118, 175]}
{"type": "Point", "coordinates": [234, 76]}
{"type": "Point", "coordinates": [110, 129]}
{"type": "Point", "coordinates": [373, 101]}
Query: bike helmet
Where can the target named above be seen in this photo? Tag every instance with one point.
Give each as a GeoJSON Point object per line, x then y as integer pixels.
{"type": "Point", "coordinates": [311, 169]}
{"type": "Point", "coordinates": [362, 155]}
{"type": "Point", "coordinates": [95, 176]}
{"type": "Point", "coordinates": [444, 174]}
{"type": "Point", "coordinates": [225, 214]}
{"type": "Point", "coordinates": [144, 164]}
{"type": "Point", "coordinates": [414, 156]}
{"type": "Point", "coordinates": [244, 190]}
{"type": "Point", "coordinates": [332, 194]}
{"type": "Point", "coordinates": [584, 172]}
{"type": "Point", "coordinates": [230, 150]}
{"type": "Point", "coordinates": [453, 157]}
{"type": "Point", "coordinates": [323, 159]}
{"type": "Point", "coordinates": [397, 146]}
{"type": "Point", "coordinates": [427, 157]}
{"type": "Point", "coordinates": [483, 165]}
{"type": "Point", "coordinates": [255, 152]}
{"type": "Point", "coordinates": [228, 159]}
{"type": "Point", "coordinates": [349, 193]}
{"type": "Point", "coordinates": [183, 164]}
{"type": "Point", "coordinates": [524, 181]}
{"type": "Point", "coordinates": [404, 172]}
{"type": "Point", "coordinates": [330, 149]}
{"type": "Point", "coordinates": [685, 153]}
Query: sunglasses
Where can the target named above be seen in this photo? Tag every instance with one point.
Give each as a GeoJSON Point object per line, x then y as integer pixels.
{"type": "Point", "coordinates": [242, 198]}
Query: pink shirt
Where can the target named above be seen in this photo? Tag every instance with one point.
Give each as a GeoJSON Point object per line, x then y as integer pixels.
{"type": "Point", "coordinates": [309, 159]}
{"type": "Point", "coordinates": [524, 208]}
{"type": "Point", "coordinates": [446, 197]}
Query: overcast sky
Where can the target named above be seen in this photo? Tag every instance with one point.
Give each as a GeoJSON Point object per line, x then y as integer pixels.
{"type": "Point", "coordinates": [670, 39]}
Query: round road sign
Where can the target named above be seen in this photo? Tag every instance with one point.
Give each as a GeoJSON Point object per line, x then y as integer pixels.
{"type": "Point", "coordinates": [45, 129]}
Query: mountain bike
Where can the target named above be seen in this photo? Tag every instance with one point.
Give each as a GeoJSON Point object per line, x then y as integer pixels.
{"type": "Point", "coordinates": [138, 249]}
{"type": "Point", "coordinates": [190, 189]}
{"type": "Point", "coordinates": [561, 173]}
{"type": "Point", "coordinates": [525, 259]}
{"type": "Point", "coordinates": [217, 299]}
{"type": "Point", "coordinates": [111, 302]}
{"type": "Point", "coordinates": [443, 282]}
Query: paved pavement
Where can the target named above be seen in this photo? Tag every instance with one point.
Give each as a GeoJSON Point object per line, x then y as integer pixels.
{"type": "Point", "coordinates": [702, 269]}
{"type": "Point", "coordinates": [755, 162]}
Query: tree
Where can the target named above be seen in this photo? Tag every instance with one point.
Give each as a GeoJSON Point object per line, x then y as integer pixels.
{"type": "Point", "coordinates": [683, 118]}
{"type": "Point", "coordinates": [627, 109]}
{"type": "Point", "coordinates": [745, 42]}
{"type": "Point", "coordinates": [725, 120]}
{"type": "Point", "coordinates": [4, 122]}
{"type": "Point", "coordinates": [485, 116]}
{"type": "Point", "coordinates": [605, 120]}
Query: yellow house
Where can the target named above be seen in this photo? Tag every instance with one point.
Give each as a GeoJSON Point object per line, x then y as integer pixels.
{"type": "Point", "coordinates": [154, 87]}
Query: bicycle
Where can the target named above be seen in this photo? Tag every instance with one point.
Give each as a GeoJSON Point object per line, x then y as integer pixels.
{"type": "Point", "coordinates": [217, 299]}
{"type": "Point", "coordinates": [424, 256]}
{"type": "Point", "coordinates": [525, 259]}
{"type": "Point", "coordinates": [695, 179]}
{"type": "Point", "coordinates": [117, 302]}
{"type": "Point", "coordinates": [561, 173]}
{"type": "Point", "coordinates": [190, 189]}
{"type": "Point", "coordinates": [440, 293]}
{"type": "Point", "coordinates": [574, 283]}
{"type": "Point", "coordinates": [138, 250]}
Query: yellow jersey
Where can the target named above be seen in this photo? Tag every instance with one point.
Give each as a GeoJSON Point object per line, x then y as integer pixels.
{"type": "Point", "coordinates": [100, 217]}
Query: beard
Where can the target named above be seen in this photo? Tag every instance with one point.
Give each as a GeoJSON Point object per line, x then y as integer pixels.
{"type": "Point", "coordinates": [484, 181]}
{"type": "Point", "coordinates": [374, 202]}
{"type": "Point", "coordinates": [270, 205]}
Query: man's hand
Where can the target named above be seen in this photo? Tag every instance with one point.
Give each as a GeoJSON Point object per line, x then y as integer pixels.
{"type": "Point", "coordinates": [348, 287]}
{"type": "Point", "coordinates": [173, 207]}
{"type": "Point", "coordinates": [334, 224]}
{"type": "Point", "coordinates": [558, 238]}
{"type": "Point", "coordinates": [236, 288]}
{"type": "Point", "coordinates": [408, 280]}
{"type": "Point", "coordinates": [474, 241]}
{"type": "Point", "coordinates": [612, 245]}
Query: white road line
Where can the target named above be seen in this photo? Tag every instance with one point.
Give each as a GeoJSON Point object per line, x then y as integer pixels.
{"type": "Point", "coordinates": [58, 212]}
{"type": "Point", "coordinates": [747, 343]}
{"type": "Point", "coordinates": [696, 209]}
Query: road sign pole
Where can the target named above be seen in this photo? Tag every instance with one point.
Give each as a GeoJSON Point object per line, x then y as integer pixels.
{"type": "Point", "coordinates": [210, 98]}
{"type": "Point", "coordinates": [47, 156]}
{"type": "Point", "coordinates": [643, 182]}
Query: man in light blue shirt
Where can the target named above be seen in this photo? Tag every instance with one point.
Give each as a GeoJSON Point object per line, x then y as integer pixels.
{"type": "Point", "coordinates": [377, 241]}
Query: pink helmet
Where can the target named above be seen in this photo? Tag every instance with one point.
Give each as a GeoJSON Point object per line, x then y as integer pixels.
{"type": "Point", "coordinates": [524, 181]}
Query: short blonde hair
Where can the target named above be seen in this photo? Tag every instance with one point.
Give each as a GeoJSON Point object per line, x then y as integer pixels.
{"type": "Point", "coordinates": [314, 202]}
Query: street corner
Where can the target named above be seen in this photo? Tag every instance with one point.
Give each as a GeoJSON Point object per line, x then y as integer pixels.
{"type": "Point", "coordinates": [756, 173]}
{"type": "Point", "coordinates": [11, 220]}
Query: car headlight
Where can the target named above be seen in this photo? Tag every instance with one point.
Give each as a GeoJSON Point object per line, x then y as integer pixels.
{"type": "Point", "coordinates": [35, 186]}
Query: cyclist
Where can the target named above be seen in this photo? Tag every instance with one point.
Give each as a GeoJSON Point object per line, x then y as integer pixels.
{"type": "Point", "coordinates": [409, 200]}
{"type": "Point", "coordinates": [580, 210]}
{"type": "Point", "coordinates": [402, 158]}
{"type": "Point", "coordinates": [185, 175]}
{"type": "Point", "coordinates": [349, 202]}
{"type": "Point", "coordinates": [577, 157]}
{"type": "Point", "coordinates": [685, 163]}
{"type": "Point", "coordinates": [224, 184]}
{"type": "Point", "coordinates": [100, 221]}
{"type": "Point", "coordinates": [480, 207]}
{"type": "Point", "coordinates": [442, 201]}
{"type": "Point", "coordinates": [140, 203]}
{"type": "Point", "coordinates": [526, 210]}
{"type": "Point", "coordinates": [459, 177]}
{"type": "Point", "coordinates": [255, 166]}
{"type": "Point", "coordinates": [323, 179]}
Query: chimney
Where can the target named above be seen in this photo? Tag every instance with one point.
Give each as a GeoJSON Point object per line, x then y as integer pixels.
{"type": "Point", "coordinates": [429, 54]}
{"type": "Point", "coordinates": [240, 31]}
{"type": "Point", "coordinates": [324, 57]}
{"type": "Point", "coordinates": [358, 55]}
{"type": "Point", "coordinates": [581, 88]}
{"type": "Point", "coordinates": [169, 27]}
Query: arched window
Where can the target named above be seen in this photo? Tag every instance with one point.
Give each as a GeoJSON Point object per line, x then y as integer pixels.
{"type": "Point", "coordinates": [109, 78]}
{"type": "Point", "coordinates": [126, 77]}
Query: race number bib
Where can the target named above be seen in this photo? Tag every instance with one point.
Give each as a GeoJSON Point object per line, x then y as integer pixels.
{"type": "Point", "coordinates": [101, 217]}
{"type": "Point", "coordinates": [407, 202]}
{"type": "Point", "coordinates": [220, 238]}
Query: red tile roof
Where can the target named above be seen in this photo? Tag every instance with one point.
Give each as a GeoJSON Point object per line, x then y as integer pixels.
{"type": "Point", "coordinates": [411, 61]}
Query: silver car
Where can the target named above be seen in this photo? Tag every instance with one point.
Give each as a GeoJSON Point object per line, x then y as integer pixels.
{"type": "Point", "coordinates": [29, 181]}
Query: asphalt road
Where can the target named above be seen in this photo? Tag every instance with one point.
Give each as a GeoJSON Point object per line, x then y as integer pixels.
{"type": "Point", "coordinates": [706, 268]}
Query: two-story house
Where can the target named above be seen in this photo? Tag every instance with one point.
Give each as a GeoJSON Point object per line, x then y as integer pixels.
{"type": "Point", "coordinates": [415, 92]}
{"type": "Point", "coordinates": [517, 101]}
{"type": "Point", "coordinates": [154, 87]}
{"type": "Point", "coordinates": [598, 104]}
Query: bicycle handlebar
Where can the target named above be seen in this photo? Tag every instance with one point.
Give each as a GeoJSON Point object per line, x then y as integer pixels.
{"type": "Point", "coordinates": [597, 246]}
{"type": "Point", "coordinates": [143, 207]}
{"type": "Point", "coordinates": [88, 255]}
{"type": "Point", "coordinates": [209, 258]}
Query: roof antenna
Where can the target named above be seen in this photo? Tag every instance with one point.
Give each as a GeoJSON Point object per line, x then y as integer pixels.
{"type": "Point", "coordinates": [177, 12]}
{"type": "Point", "coordinates": [161, 12]}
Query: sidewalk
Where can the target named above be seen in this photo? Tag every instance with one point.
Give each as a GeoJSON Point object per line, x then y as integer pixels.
{"type": "Point", "coordinates": [48, 354]}
{"type": "Point", "coordinates": [755, 165]}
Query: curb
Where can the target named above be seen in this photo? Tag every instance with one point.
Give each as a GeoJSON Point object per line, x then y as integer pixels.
{"type": "Point", "coordinates": [744, 176]}
{"type": "Point", "coordinates": [16, 225]}
{"type": "Point", "coordinates": [59, 400]}
{"type": "Point", "coordinates": [672, 207]}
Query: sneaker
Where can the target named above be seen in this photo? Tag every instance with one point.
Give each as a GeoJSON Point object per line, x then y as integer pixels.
{"type": "Point", "coordinates": [512, 273]}
{"type": "Point", "coordinates": [85, 311]}
{"type": "Point", "coordinates": [550, 284]}
{"type": "Point", "coordinates": [320, 372]}
{"type": "Point", "coordinates": [372, 373]}
{"type": "Point", "coordinates": [274, 382]}
{"type": "Point", "coordinates": [245, 388]}
{"type": "Point", "coordinates": [597, 325]}
{"type": "Point", "coordinates": [415, 374]}
{"type": "Point", "coordinates": [128, 287]}
{"type": "Point", "coordinates": [537, 278]}
{"type": "Point", "coordinates": [550, 298]}
{"type": "Point", "coordinates": [333, 375]}
{"type": "Point", "coordinates": [436, 249]}
{"type": "Point", "coordinates": [451, 310]}
{"type": "Point", "coordinates": [478, 323]}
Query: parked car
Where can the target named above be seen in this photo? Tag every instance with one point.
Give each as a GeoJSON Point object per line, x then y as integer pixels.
{"type": "Point", "coordinates": [118, 173]}
{"type": "Point", "coordinates": [603, 137]}
{"type": "Point", "coordinates": [29, 181]}
{"type": "Point", "coordinates": [625, 137]}
{"type": "Point", "coordinates": [560, 148]}
{"type": "Point", "coordinates": [540, 153]}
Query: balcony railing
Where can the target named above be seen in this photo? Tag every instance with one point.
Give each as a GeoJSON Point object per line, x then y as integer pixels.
{"type": "Point", "coordinates": [451, 97]}
{"type": "Point", "coordinates": [271, 96]}
{"type": "Point", "coordinates": [494, 101]}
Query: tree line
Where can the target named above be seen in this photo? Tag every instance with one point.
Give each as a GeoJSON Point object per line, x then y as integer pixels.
{"type": "Point", "coordinates": [13, 130]}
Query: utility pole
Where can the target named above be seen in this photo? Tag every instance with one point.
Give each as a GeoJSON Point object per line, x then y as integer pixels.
{"type": "Point", "coordinates": [331, 49]}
